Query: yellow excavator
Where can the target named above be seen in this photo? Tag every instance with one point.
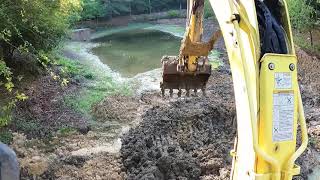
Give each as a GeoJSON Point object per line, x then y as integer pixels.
{"type": "Point", "coordinates": [258, 39]}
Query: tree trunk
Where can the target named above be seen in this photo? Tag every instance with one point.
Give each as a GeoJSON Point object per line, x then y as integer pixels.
{"type": "Point", "coordinates": [150, 6]}
{"type": "Point", "coordinates": [1, 53]}
{"type": "Point", "coordinates": [311, 37]}
{"type": "Point", "coordinates": [130, 8]}
{"type": "Point", "coordinates": [7, 52]}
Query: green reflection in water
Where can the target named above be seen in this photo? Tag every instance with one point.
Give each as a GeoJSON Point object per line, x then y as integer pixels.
{"type": "Point", "coordinates": [136, 51]}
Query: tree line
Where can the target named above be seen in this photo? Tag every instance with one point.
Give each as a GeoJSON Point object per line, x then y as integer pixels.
{"type": "Point", "coordinates": [111, 8]}
{"type": "Point", "coordinates": [305, 15]}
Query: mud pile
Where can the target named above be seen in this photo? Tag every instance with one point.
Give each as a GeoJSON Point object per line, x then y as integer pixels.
{"type": "Point", "coordinates": [116, 108]}
{"type": "Point", "coordinates": [310, 87]}
{"type": "Point", "coordinates": [187, 139]}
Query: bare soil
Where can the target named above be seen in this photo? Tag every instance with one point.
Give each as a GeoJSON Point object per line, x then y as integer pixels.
{"type": "Point", "coordinates": [188, 138]}
{"type": "Point", "coordinates": [44, 113]}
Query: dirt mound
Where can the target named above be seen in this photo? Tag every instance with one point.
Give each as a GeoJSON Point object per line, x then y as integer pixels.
{"type": "Point", "coordinates": [310, 87]}
{"type": "Point", "coordinates": [102, 166]}
{"type": "Point", "coordinates": [193, 142]}
{"type": "Point", "coordinates": [116, 108]}
{"type": "Point", "coordinates": [60, 158]}
{"type": "Point", "coordinates": [189, 138]}
{"type": "Point", "coordinates": [309, 78]}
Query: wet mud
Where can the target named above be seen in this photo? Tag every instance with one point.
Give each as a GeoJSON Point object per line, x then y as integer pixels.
{"type": "Point", "coordinates": [189, 138]}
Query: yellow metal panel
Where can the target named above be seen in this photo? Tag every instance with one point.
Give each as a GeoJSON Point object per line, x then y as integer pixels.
{"type": "Point", "coordinates": [282, 147]}
{"type": "Point", "coordinates": [257, 155]}
{"type": "Point", "coordinates": [242, 62]}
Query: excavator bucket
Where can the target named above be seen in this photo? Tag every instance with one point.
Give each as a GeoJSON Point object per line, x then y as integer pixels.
{"type": "Point", "coordinates": [175, 80]}
{"type": "Point", "coordinates": [191, 69]}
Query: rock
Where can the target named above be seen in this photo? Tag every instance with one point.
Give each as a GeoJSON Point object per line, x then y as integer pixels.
{"type": "Point", "coordinates": [36, 166]}
{"type": "Point", "coordinates": [81, 34]}
{"type": "Point", "coordinates": [9, 166]}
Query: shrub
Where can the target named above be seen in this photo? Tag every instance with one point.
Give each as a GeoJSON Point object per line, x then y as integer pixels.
{"type": "Point", "coordinates": [6, 136]}
{"type": "Point", "coordinates": [173, 14]}
{"type": "Point", "coordinates": [301, 14]}
{"type": "Point", "coordinates": [93, 9]}
{"type": "Point", "coordinates": [208, 11]}
{"type": "Point", "coordinates": [30, 28]}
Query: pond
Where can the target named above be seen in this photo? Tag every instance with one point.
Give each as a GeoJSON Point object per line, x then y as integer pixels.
{"type": "Point", "coordinates": [136, 51]}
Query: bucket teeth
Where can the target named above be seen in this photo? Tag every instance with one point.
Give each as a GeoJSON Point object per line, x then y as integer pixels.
{"type": "Point", "coordinates": [195, 92]}
{"type": "Point", "coordinates": [174, 79]}
{"type": "Point", "coordinates": [171, 92]}
{"type": "Point", "coordinates": [187, 93]}
{"type": "Point", "coordinates": [204, 92]}
{"type": "Point", "coordinates": [179, 93]}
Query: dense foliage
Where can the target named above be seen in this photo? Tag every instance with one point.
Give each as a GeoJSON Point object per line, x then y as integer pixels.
{"type": "Point", "coordinates": [111, 8]}
{"type": "Point", "coordinates": [305, 16]}
{"type": "Point", "coordinates": [30, 27]}
{"type": "Point", "coordinates": [302, 14]}
{"type": "Point", "coordinates": [34, 25]}
{"type": "Point", "coordinates": [93, 9]}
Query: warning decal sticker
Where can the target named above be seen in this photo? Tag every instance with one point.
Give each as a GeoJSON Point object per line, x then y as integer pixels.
{"type": "Point", "coordinates": [283, 116]}
{"type": "Point", "coordinates": [283, 80]}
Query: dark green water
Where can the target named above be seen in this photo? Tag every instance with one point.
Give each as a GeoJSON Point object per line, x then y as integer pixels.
{"type": "Point", "coordinates": [136, 51]}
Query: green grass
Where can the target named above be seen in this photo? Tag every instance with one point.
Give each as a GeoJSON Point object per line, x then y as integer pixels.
{"type": "Point", "coordinates": [6, 136]}
{"type": "Point", "coordinates": [304, 44]}
{"type": "Point", "coordinates": [99, 84]}
{"type": "Point", "coordinates": [173, 14]}
{"type": "Point", "coordinates": [73, 68]}
{"type": "Point", "coordinates": [65, 131]}
{"type": "Point", "coordinates": [214, 59]}
{"type": "Point", "coordinates": [83, 100]}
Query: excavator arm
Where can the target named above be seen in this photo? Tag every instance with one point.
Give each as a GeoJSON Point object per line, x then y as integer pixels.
{"type": "Point", "coordinates": [258, 39]}
{"type": "Point", "coordinates": [191, 69]}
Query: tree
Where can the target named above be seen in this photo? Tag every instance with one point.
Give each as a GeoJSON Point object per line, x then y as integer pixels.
{"type": "Point", "coordinates": [39, 25]}
{"type": "Point", "coordinates": [92, 9]}
{"type": "Point", "coordinates": [302, 16]}
{"type": "Point", "coordinates": [30, 27]}
{"type": "Point", "coordinates": [118, 7]}
{"type": "Point", "coordinates": [128, 7]}
{"type": "Point", "coordinates": [315, 4]}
